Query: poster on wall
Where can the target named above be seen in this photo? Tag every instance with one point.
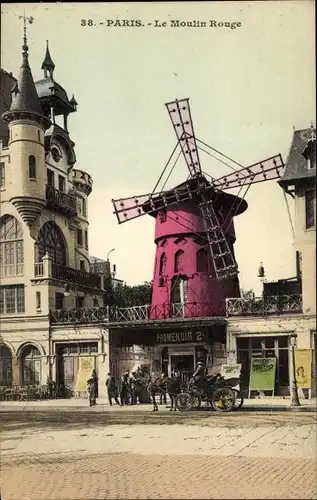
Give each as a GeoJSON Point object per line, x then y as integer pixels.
{"type": "Point", "coordinates": [231, 370]}
{"type": "Point", "coordinates": [86, 365]}
{"type": "Point", "coordinates": [262, 374]}
{"type": "Point", "coordinates": [303, 362]}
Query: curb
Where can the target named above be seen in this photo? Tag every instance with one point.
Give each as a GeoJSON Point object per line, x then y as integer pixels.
{"type": "Point", "coordinates": [105, 410]}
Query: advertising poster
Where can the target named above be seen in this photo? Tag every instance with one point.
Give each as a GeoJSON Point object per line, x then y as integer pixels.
{"type": "Point", "coordinates": [262, 374]}
{"type": "Point", "coordinates": [231, 370]}
{"type": "Point", "coordinates": [303, 362]}
{"type": "Point", "coordinates": [86, 365]}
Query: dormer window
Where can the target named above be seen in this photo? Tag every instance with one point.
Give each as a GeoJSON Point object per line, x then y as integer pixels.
{"type": "Point", "coordinates": [56, 154]}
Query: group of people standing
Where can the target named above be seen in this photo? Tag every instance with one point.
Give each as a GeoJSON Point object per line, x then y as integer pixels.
{"type": "Point", "coordinates": [128, 388]}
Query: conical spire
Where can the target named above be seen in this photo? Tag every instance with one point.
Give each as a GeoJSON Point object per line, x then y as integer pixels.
{"type": "Point", "coordinates": [48, 64]}
{"type": "Point", "coordinates": [24, 96]}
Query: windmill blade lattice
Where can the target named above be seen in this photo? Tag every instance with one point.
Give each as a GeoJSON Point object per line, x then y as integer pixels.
{"type": "Point", "coordinates": [131, 208]}
{"type": "Point", "coordinates": [179, 111]}
{"type": "Point", "coordinates": [266, 170]}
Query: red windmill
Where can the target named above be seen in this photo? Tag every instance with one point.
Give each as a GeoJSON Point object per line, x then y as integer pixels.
{"type": "Point", "coordinates": [195, 267]}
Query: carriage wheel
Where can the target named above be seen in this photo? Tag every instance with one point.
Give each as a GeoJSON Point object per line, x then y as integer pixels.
{"type": "Point", "coordinates": [238, 399]}
{"type": "Point", "coordinates": [223, 399]}
{"type": "Point", "coordinates": [196, 400]}
{"type": "Point", "coordinates": [184, 402]}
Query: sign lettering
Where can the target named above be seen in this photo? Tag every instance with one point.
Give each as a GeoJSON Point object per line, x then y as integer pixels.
{"type": "Point", "coordinates": [179, 337]}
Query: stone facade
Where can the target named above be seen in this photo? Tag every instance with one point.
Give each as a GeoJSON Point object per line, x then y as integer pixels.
{"type": "Point", "coordinates": [44, 244]}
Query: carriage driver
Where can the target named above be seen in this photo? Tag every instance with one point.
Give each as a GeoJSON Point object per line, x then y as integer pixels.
{"type": "Point", "coordinates": [199, 373]}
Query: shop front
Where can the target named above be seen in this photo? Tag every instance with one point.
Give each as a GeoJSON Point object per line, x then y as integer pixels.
{"type": "Point", "coordinates": [169, 350]}
{"type": "Point", "coordinates": [273, 348]}
{"type": "Point", "coordinates": [75, 362]}
{"type": "Point", "coordinates": [75, 353]}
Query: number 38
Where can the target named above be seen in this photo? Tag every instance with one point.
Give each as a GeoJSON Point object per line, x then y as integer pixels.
{"type": "Point", "coordinates": [85, 22]}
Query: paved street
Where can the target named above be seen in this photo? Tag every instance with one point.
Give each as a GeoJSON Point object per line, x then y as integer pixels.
{"type": "Point", "coordinates": [126, 454]}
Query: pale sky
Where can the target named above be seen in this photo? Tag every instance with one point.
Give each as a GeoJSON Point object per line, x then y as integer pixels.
{"type": "Point", "coordinates": [247, 86]}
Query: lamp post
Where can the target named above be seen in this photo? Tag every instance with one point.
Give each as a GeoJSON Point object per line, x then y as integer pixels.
{"type": "Point", "coordinates": [112, 250]}
{"type": "Point", "coordinates": [294, 394]}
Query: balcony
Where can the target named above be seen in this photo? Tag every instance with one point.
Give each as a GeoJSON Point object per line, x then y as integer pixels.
{"type": "Point", "coordinates": [263, 306]}
{"type": "Point", "coordinates": [76, 278]}
{"type": "Point", "coordinates": [134, 315]}
{"type": "Point", "coordinates": [61, 202]}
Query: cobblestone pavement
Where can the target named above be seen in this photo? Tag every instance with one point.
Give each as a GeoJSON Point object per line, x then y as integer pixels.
{"type": "Point", "coordinates": [121, 476]}
{"type": "Point", "coordinates": [241, 458]}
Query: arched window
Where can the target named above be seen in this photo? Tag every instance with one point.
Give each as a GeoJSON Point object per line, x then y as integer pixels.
{"type": "Point", "coordinates": [162, 270]}
{"type": "Point", "coordinates": [31, 365]}
{"type": "Point", "coordinates": [5, 365]}
{"type": "Point", "coordinates": [51, 240]}
{"type": "Point", "coordinates": [202, 261]}
{"type": "Point", "coordinates": [179, 261]}
{"type": "Point", "coordinates": [179, 292]}
{"type": "Point", "coordinates": [11, 247]}
{"type": "Point", "coordinates": [32, 167]}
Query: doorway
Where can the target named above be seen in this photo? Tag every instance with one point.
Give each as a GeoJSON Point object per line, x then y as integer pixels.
{"type": "Point", "coordinates": [68, 362]}
{"type": "Point", "coordinates": [184, 364]}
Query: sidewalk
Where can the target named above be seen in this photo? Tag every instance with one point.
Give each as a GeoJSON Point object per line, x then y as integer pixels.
{"type": "Point", "coordinates": [256, 404]}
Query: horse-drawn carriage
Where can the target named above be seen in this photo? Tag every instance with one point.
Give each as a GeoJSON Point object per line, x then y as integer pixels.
{"type": "Point", "coordinates": [216, 391]}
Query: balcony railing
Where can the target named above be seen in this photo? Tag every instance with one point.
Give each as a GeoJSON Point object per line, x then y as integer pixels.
{"type": "Point", "coordinates": [262, 306]}
{"type": "Point", "coordinates": [80, 277]}
{"type": "Point", "coordinates": [284, 304]}
{"type": "Point", "coordinates": [62, 202]}
{"type": "Point", "coordinates": [48, 270]}
{"type": "Point", "coordinates": [135, 314]}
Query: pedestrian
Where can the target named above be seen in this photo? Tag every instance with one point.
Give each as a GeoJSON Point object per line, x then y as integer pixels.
{"type": "Point", "coordinates": [112, 389]}
{"type": "Point", "coordinates": [95, 381]}
{"type": "Point", "coordinates": [163, 389]}
{"type": "Point", "coordinates": [91, 390]}
{"type": "Point", "coordinates": [134, 389]}
{"type": "Point", "coordinates": [125, 383]}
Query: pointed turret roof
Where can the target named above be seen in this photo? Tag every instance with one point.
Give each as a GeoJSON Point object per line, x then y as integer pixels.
{"type": "Point", "coordinates": [24, 95]}
{"type": "Point", "coordinates": [48, 64]}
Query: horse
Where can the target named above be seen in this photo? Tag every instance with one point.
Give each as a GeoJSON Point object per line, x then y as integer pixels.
{"type": "Point", "coordinates": [173, 386]}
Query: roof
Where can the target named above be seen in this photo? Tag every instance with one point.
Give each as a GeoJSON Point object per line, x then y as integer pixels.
{"type": "Point", "coordinates": [24, 96]}
{"type": "Point", "coordinates": [47, 87]}
{"type": "Point", "coordinates": [296, 167]}
{"type": "Point", "coordinates": [219, 198]}
{"type": "Point", "coordinates": [48, 63]}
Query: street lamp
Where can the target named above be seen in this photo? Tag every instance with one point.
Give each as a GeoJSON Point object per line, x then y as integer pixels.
{"type": "Point", "coordinates": [261, 272]}
{"type": "Point", "coordinates": [112, 250]}
{"type": "Point", "coordinates": [294, 394]}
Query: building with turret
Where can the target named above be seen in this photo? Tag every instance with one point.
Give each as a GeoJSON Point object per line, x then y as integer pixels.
{"type": "Point", "coordinates": [44, 238]}
{"type": "Point", "coordinates": [56, 323]}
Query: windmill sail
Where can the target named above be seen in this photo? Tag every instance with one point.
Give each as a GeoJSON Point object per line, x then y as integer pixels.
{"type": "Point", "coordinates": [221, 255]}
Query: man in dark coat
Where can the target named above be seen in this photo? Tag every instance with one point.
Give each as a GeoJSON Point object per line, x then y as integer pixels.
{"type": "Point", "coordinates": [125, 388]}
{"type": "Point", "coordinates": [199, 373]}
{"type": "Point", "coordinates": [112, 389]}
{"type": "Point", "coordinates": [91, 392]}
{"type": "Point", "coordinates": [95, 382]}
{"type": "Point", "coordinates": [162, 385]}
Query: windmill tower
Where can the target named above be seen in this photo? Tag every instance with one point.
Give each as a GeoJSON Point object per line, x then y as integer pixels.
{"type": "Point", "coordinates": [195, 268]}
